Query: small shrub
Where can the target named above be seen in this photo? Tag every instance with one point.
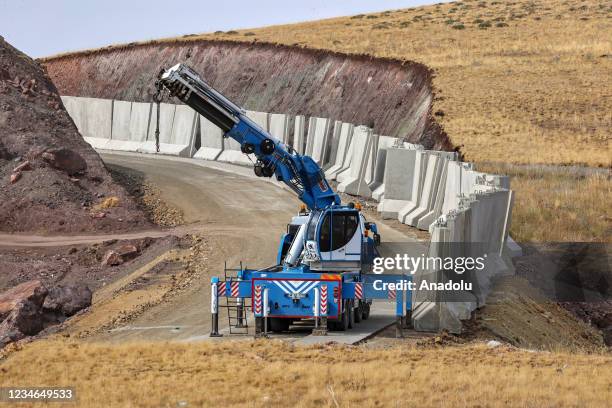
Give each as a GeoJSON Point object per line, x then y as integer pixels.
{"type": "Point", "coordinates": [484, 25]}
{"type": "Point", "coordinates": [449, 21]}
{"type": "Point", "coordinates": [249, 34]}
{"type": "Point", "coordinates": [404, 24]}
{"type": "Point", "coordinates": [501, 24]}
{"type": "Point", "coordinates": [478, 21]}
{"type": "Point", "coordinates": [358, 16]}
{"type": "Point", "coordinates": [231, 32]}
{"type": "Point", "coordinates": [381, 26]}
{"type": "Point", "coordinates": [371, 16]}
{"type": "Point", "coordinates": [459, 26]}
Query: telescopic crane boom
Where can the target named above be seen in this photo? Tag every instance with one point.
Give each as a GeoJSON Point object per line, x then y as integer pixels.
{"type": "Point", "coordinates": [301, 173]}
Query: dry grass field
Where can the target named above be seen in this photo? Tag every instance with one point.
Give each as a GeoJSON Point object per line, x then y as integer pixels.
{"type": "Point", "coordinates": [516, 82]}
{"type": "Point", "coordinates": [274, 373]}
{"type": "Point", "coordinates": [558, 204]}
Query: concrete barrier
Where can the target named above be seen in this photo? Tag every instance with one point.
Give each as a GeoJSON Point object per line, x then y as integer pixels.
{"type": "Point", "coordinates": [384, 143]}
{"type": "Point", "coordinates": [121, 138]}
{"type": "Point", "coordinates": [140, 121]}
{"type": "Point", "coordinates": [378, 186]}
{"type": "Point", "coordinates": [166, 120]}
{"type": "Point", "coordinates": [211, 140]}
{"type": "Point", "coordinates": [299, 134]}
{"type": "Point", "coordinates": [433, 173]}
{"type": "Point", "coordinates": [317, 140]}
{"type": "Point", "coordinates": [399, 181]}
{"type": "Point", "coordinates": [93, 118]}
{"type": "Point", "coordinates": [333, 144]}
{"type": "Point", "coordinates": [420, 164]}
{"type": "Point", "coordinates": [435, 210]}
{"type": "Point", "coordinates": [368, 176]}
{"type": "Point", "coordinates": [354, 180]}
{"type": "Point", "coordinates": [342, 152]}
{"type": "Point", "coordinates": [279, 127]}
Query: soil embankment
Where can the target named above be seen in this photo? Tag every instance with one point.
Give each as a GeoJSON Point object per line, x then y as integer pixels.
{"type": "Point", "coordinates": [393, 97]}
{"type": "Point", "coordinates": [51, 180]}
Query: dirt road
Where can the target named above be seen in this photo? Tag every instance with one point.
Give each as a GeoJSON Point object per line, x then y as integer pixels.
{"type": "Point", "coordinates": [241, 217]}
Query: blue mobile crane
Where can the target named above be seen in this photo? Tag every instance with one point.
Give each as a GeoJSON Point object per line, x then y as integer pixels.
{"type": "Point", "coordinates": [326, 255]}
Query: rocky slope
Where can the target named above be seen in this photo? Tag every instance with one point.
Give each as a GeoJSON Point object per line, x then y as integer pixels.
{"type": "Point", "coordinates": [393, 97]}
{"type": "Point", "coordinates": [51, 180]}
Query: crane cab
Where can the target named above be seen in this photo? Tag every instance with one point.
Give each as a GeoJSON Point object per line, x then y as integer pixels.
{"type": "Point", "coordinates": [336, 239]}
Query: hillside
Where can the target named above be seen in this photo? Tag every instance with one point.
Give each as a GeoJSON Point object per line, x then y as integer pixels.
{"type": "Point", "coordinates": [518, 82]}
{"type": "Point", "coordinates": [51, 180]}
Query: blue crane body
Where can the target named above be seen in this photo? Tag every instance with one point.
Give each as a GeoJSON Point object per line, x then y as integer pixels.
{"type": "Point", "coordinates": [325, 257]}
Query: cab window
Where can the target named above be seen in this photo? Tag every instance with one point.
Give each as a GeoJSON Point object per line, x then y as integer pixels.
{"type": "Point", "coordinates": [337, 230]}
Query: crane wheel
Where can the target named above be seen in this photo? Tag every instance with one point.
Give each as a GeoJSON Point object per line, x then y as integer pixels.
{"type": "Point", "coordinates": [358, 311]}
{"type": "Point", "coordinates": [259, 170]}
{"type": "Point", "coordinates": [267, 146]}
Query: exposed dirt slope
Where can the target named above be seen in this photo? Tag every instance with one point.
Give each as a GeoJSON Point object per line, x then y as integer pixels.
{"type": "Point", "coordinates": [51, 180]}
{"type": "Point", "coordinates": [394, 98]}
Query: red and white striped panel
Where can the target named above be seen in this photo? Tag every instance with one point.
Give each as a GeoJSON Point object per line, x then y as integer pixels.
{"type": "Point", "coordinates": [221, 289]}
{"type": "Point", "coordinates": [392, 294]}
{"type": "Point", "coordinates": [234, 289]}
{"type": "Point", "coordinates": [324, 300]}
{"type": "Point", "coordinates": [257, 300]}
{"type": "Point", "coordinates": [359, 290]}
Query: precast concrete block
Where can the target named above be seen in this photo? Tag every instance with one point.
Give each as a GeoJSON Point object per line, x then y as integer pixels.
{"type": "Point", "coordinates": [232, 154]}
{"type": "Point", "coordinates": [436, 210]}
{"type": "Point", "coordinates": [432, 175]}
{"type": "Point", "coordinates": [262, 119]}
{"type": "Point", "coordinates": [121, 138]}
{"type": "Point", "coordinates": [420, 164]}
{"type": "Point", "coordinates": [140, 121]}
{"type": "Point", "coordinates": [279, 127]}
{"type": "Point", "coordinates": [399, 178]}
{"type": "Point", "coordinates": [354, 182]}
{"type": "Point", "coordinates": [344, 134]}
{"type": "Point", "coordinates": [92, 117]}
{"type": "Point", "coordinates": [316, 142]}
{"type": "Point", "coordinates": [332, 144]}
{"type": "Point", "coordinates": [378, 182]}
{"type": "Point", "coordinates": [120, 130]}
{"type": "Point", "coordinates": [183, 131]}
{"type": "Point", "coordinates": [452, 187]}
{"type": "Point", "coordinates": [299, 134]}
{"type": "Point", "coordinates": [166, 121]}
{"type": "Point", "coordinates": [371, 161]}
{"type": "Point", "coordinates": [211, 139]}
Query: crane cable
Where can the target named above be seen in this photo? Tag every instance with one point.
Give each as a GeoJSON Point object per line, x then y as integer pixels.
{"type": "Point", "coordinates": [157, 98]}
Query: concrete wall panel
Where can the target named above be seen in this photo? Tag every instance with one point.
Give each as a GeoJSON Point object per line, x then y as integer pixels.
{"type": "Point", "coordinates": [354, 182]}
{"type": "Point", "coordinates": [344, 141]}
{"type": "Point", "coordinates": [279, 127]}
{"type": "Point", "coordinates": [299, 134]}
{"type": "Point", "coordinates": [211, 139]}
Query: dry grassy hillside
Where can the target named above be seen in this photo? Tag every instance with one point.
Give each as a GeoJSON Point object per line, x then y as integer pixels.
{"type": "Point", "coordinates": [519, 82]}
{"type": "Point", "coordinates": [253, 374]}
